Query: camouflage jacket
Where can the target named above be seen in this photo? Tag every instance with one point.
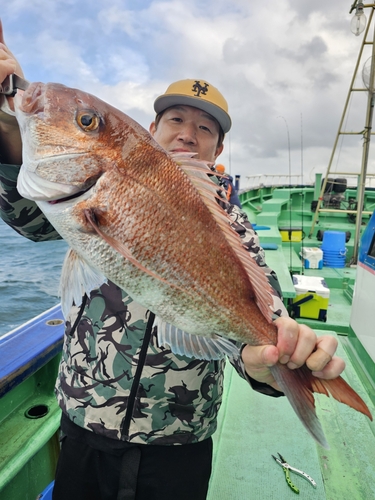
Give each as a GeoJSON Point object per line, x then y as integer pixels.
{"type": "Point", "coordinates": [114, 379]}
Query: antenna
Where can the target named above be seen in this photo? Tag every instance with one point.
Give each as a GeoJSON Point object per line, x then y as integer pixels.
{"type": "Point", "coordinates": [302, 197]}
{"type": "Point", "coordinates": [290, 197]}
{"type": "Point", "coordinates": [230, 154]}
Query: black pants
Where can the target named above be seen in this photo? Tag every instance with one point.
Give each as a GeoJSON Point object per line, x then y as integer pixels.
{"type": "Point", "coordinates": [137, 472]}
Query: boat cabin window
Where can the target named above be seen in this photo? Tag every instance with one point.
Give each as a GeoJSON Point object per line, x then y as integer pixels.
{"type": "Point", "coordinates": [371, 251]}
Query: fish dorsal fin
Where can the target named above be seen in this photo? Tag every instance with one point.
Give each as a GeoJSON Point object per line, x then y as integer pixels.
{"type": "Point", "coordinates": [194, 346]}
{"type": "Point", "coordinates": [198, 171]}
{"type": "Point", "coordinates": [77, 279]}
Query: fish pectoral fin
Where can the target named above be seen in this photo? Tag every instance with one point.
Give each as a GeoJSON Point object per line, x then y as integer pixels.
{"type": "Point", "coordinates": [77, 279]}
{"type": "Point", "coordinates": [194, 346]}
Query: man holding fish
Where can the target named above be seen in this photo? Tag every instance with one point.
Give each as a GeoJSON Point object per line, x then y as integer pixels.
{"type": "Point", "coordinates": [137, 415]}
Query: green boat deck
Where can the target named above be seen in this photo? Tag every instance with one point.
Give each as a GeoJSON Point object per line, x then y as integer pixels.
{"type": "Point", "coordinates": [252, 427]}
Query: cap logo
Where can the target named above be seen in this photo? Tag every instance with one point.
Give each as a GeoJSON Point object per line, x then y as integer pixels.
{"type": "Point", "coordinates": [199, 89]}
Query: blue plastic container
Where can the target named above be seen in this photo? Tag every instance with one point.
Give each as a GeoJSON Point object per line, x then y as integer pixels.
{"type": "Point", "coordinates": [334, 256]}
{"type": "Point", "coordinates": [334, 265]}
{"type": "Point", "coordinates": [333, 240]}
{"type": "Point", "coordinates": [340, 253]}
{"type": "Point", "coordinates": [327, 258]}
{"type": "Point", "coordinates": [47, 492]}
{"type": "Point", "coordinates": [334, 261]}
{"type": "Point", "coordinates": [334, 251]}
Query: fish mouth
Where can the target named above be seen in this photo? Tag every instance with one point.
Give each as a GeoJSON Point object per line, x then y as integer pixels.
{"type": "Point", "coordinates": [72, 196]}
{"type": "Point", "coordinates": [33, 187]}
{"type": "Point", "coordinates": [75, 191]}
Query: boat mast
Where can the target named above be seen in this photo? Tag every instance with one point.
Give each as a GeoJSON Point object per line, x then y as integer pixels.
{"type": "Point", "coordinates": [358, 25]}
{"type": "Point", "coordinates": [366, 144]}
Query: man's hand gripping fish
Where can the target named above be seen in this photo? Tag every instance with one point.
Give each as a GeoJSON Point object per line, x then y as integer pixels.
{"type": "Point", "coordinates": [151, 224]}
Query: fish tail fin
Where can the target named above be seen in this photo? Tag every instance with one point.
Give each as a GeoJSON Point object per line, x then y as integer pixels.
{"type": "Point", "coordinates": [342, 392]}
{"type": "Point", "coordinates": [300, 384]}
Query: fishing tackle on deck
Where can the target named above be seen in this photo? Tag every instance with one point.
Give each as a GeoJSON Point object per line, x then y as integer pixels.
{"type": "Point", "coordinates": [286, 468]}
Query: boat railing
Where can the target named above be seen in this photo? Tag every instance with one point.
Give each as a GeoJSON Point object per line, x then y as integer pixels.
{"type": "Point", "coordinates": [262, 180]}
{"type": "Point", "coordinates": [41, 338]}
{"type": "Point", "coordinates": [276, 180]}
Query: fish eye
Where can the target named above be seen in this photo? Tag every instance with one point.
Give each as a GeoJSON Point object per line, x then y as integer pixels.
{"type": "Point", "coordinates": [88, 120]}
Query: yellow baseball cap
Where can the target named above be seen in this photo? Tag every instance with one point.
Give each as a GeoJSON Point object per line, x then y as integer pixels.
{"type": "Point", "coordinates": [199, 94]}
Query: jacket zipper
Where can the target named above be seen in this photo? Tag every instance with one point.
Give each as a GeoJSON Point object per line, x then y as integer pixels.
{"type": "Point", "coordinates": [134, 388]}
{"type": "Point", "coordinates": [79, 315]}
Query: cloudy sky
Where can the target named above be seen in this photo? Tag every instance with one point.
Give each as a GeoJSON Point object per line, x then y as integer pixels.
{"type": "Point", "coordinates": [284, 66]}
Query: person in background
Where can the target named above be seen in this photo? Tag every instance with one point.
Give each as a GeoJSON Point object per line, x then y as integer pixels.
{"type": "Point", "coordinates": [226, 182]}
{"type": "Point", "coordinates": [137, 420]}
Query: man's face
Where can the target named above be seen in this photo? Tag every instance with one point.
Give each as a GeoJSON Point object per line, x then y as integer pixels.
{"type": "Point", "coordinates": [188, 129]}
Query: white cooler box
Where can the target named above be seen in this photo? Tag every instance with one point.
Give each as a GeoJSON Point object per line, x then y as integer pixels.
{"type": "Point", "coordinates": [312, 257]}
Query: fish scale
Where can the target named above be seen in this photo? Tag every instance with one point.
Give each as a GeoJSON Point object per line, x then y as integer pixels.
{"type": "Point", "coordinates": [152, 225]}
{"type": "Point", "coordinates": [181, 263]}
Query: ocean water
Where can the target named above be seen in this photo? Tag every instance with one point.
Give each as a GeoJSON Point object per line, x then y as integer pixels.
{"type": "Point", "coordinates": [29, 277]}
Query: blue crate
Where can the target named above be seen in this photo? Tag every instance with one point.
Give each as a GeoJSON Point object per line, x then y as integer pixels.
{"type": "Point", "coordinates": [47, 492]}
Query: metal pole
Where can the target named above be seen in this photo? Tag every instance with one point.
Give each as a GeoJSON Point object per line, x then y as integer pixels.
{"type": "Point", "coordinates": [365, 155]}
{"type": "Point", "coordinates": [340, 131]}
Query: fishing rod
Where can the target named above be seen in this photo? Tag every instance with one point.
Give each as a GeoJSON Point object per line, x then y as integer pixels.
{"type": "Point", "coordinates": [302, 198]}
{"type": "Point", "coordinates": [290, 196]}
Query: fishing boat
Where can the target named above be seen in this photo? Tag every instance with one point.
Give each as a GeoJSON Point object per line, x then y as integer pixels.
{"type": "Point", "coordinates": [334, 300]}
{"type": "Point", "coordinates": [299, 226]}
{"type": "Point", "coordinates": [246, 439]}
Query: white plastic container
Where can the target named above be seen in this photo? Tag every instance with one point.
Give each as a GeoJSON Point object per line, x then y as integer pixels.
{"type": "Point", "coordinates": [312, 257]}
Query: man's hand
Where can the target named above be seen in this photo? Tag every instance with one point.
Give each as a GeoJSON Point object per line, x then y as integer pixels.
{"type": "Point", "coordinates": [297, 344]}
{"type": "Point", "coordinates": [8, 63]}
{"type": "Point", "coordinates": [10, 139]}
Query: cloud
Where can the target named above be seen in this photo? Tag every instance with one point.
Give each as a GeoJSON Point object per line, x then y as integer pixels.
{"type": "Point", "coordinates": [285, 58]}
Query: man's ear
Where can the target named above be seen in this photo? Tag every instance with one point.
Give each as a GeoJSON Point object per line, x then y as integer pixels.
{"type": "Point", "coordinates": [152, 129]}
{"type": "Point", "coordinates": [218, 151]}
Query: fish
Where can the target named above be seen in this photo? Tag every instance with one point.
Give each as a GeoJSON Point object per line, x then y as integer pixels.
{"type": "Point", "coordinates": [151, 223]}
